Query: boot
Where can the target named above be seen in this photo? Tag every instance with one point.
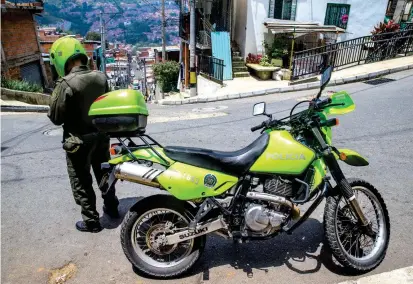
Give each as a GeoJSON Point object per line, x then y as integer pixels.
{"type": "Point", "coordinates": [94, 227]}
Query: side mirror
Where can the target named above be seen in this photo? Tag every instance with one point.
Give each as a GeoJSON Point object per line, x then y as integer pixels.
{"type": "Point", "coordinates": [259, 109]}
{"type": "Point", "coordinates": [325, 77]}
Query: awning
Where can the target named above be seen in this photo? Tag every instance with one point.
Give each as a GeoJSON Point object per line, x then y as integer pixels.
{"type": "Point", "coordinates": [285, 26]}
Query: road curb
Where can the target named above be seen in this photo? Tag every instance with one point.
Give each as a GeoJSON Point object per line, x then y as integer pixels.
{"type": "Point", "coordinates": [291, 88]}
{"type": "Point", "coordinates": [402, 275]}
{"type": "Point", "coordinates": [9, 108]}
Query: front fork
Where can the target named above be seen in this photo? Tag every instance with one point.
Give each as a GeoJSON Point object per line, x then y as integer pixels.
{"type": "Point", "coordinates": [341, 180]}
{"type": "Point", "coordinates": [347, 190]}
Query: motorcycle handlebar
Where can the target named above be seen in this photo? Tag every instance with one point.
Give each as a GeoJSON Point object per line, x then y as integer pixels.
{"type": "Point", "coordinates": [258, 127]}
{"type": "Point", "coordinates": [323, 103]}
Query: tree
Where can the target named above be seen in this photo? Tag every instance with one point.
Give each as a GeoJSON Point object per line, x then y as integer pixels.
{"type": "Point", "coordinates": [93, 36]}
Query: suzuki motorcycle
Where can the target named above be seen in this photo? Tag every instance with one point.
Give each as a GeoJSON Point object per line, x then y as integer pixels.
{"type": "Point", "coordinates": [249, 194]}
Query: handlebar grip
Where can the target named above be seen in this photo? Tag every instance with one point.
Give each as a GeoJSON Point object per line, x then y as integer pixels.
{"type": "Point", "coordinates": [324, 102]}
{"type": "Point", "coordinates": [255, 128]}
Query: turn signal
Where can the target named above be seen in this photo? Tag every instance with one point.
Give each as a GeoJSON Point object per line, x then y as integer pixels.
{"type": "Point", "coordinates": [115, 149]}
{"type": "Point", "coordinates": [343, 156]}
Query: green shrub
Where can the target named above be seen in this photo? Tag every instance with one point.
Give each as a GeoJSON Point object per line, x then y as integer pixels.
{"type": "Point", "coordinates": [265, 61]}
{"type": "Point", "coordinates": [21, 85]}
{"type": "Point", "coordinates": [167, 73]}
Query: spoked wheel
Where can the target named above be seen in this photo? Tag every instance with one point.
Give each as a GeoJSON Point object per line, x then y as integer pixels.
{"type": "Point", "coordinates": [353, 245]}
{"type": "Point", "coordinates": [143, 235]}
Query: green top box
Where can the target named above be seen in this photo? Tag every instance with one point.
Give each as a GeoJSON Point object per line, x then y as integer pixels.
{"type": "Point", "coordinates": [119, 102]}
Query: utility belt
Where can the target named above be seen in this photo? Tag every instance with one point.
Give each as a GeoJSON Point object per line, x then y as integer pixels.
{"type": "Point", "coordinates": [73, 142]}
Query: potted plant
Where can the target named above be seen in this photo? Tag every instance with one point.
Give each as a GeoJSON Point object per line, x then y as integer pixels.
{"type": "Point", "coordinates": [277, 50]}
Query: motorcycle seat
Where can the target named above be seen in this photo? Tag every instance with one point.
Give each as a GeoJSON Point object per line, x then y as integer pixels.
{"type": "Point", "coordinates": [233, 163]}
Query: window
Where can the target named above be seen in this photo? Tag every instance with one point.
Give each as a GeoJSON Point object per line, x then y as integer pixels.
{"type": "Point", "coordinates": [337, 15]}
{"type": "Point", "coordinates": [283, 9]}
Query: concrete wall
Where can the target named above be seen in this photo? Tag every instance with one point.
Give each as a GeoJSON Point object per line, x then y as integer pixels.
{"type": "Point", "coordinates": [257, 13]}
{"type": "Point", "coordinates": [364, 14]}
{"type": "Point", "coordinates": [26, 97]}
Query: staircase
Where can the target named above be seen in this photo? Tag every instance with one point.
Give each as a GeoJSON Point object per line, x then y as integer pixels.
{"type": "Point", "coordinates": [239, 69]}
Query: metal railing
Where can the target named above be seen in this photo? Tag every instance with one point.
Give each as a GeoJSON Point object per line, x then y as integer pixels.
{"type": "Point", "coordinates": [355, 51]}
{"type": "Point", "coordinates": [211, 67]}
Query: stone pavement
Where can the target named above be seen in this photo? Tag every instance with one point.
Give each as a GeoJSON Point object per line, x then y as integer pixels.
{"type": "Point", "coordinates": [251, 86]}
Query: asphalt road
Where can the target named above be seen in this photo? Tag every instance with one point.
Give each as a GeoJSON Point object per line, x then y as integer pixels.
{"type": "Point", "coordinates": [38, 210]}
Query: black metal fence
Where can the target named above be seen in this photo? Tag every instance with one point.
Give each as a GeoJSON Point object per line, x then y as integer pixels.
{"type": "Point", "coordinates": [211, 67]}
{"type": "Point", "coordinates": [355, 51]}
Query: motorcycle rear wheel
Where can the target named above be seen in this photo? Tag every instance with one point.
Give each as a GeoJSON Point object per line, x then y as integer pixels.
{"type": "Point", "coordinates": [145, 223]}
{"type": "Point", "coordinates": [350, 245]}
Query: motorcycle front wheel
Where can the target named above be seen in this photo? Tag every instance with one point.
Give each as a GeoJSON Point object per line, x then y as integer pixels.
{"type": "Point", "coordinates": [349, 242]}
{"type": "Point", "coordinates": [143, 227]}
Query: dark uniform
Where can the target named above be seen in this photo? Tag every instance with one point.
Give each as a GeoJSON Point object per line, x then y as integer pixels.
{"type": "Point", "coordinates": [70, 105]}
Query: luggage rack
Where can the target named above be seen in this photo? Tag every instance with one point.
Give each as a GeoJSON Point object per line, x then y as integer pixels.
{"type": "Point", "coordinates": [127, 137]}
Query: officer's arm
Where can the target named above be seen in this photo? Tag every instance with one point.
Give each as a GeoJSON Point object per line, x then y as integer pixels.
{"type": "Point", "coordinates": [58, 105]}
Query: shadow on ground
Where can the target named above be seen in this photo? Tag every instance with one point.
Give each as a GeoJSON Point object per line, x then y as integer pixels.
{"type": "Point", "coordinates": [289, 250]}
{"type": "Point", "coordinates": [124, 205]}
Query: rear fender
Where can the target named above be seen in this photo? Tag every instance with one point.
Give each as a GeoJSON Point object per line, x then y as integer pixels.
{"type": "Point", "coordinates": [145, 153]}
{"type": "Point", "coordinates": [352, 158]}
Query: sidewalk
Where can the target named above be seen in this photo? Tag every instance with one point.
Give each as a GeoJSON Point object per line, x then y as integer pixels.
{"type": "Point", "coordinates": [398, 276]}
{"type": "Point", "coordinates": [251, 86]}
{"type": "Point", "coordinates": [17, 106]}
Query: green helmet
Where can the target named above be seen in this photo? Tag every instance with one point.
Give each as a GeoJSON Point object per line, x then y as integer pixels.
{"type": "Point", "coordinates": [66, 48]}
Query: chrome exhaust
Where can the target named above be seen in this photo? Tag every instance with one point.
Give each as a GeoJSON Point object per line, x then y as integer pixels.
{"type": "Point", "coordinates": [295, 211]}
{"type": "Point", "coordinates": [134, 172]}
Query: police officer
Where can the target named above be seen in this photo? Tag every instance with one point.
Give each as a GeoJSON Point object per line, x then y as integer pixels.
{"type": "Point", "coordinates": [76, 89]}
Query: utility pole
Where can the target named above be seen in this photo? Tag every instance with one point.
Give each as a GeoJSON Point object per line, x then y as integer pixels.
{"type": "Point", "coordinates": [102, 44]}
{"type": "Point", "coordinates": [181, 50]}
{"type": "Point", "coordinates": [144, 76]}
{"type": "Point", "coordinates": [163, 32]}
{"type": "Point", "coordinates": [192, 47]}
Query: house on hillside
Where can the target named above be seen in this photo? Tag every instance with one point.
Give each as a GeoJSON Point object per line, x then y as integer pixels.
{"type": "Point", "coordinates": [228, 30]}
{"type": "Point", "coordinates": [356, 17]}
{"type": "Point", "coordinates": [20, 49]}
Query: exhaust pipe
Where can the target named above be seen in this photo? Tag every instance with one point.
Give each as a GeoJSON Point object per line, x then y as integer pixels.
{"type": "Point", "coordinates": [137, 173]}
{"type": "Point", "coordinates": [295, 211]}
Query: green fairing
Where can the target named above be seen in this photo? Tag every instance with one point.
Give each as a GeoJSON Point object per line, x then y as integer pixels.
{"type": "Point", "coordinates": [353, 158]}
{"type": "Point", "coordinates": [119, 102]}
{"type": "Point", "coordinates": [187, 182]}
{"type": "Point", "coordinates": [144, 154]}
{"type": "Point", "coordinates": [319, 173]}
{"type": "Point", "coordinates": [283, 155]}
{"type": "Point", "coordinates": [340, 98]}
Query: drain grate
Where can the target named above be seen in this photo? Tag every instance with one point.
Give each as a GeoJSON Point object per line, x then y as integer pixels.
{"type": "Point", "coordinates": [379, 81]}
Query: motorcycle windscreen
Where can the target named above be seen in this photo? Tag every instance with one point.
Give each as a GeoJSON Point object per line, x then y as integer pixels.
{"type": "Point", "coordinates": [188, 182]}
{"type": "Point", "coordinates": [284, 155]}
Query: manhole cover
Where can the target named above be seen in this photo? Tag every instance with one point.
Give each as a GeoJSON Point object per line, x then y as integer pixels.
{"type": "Point", "coordinates": [54, 132]}
{"type": "Point", "coordinates": [379, 81]}
{"type": "Point", "coordinates": [209, 109]}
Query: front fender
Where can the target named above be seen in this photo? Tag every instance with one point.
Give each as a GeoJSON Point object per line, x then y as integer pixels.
{"type": "Point", "coordinates": [351, 158]}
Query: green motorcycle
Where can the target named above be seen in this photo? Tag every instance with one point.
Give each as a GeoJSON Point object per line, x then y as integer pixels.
{"type": "Point", "coordinates": [250, 194]}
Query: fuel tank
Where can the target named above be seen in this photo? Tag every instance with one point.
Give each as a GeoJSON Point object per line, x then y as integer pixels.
{"type": "Point", "coordinates": [283, 155]}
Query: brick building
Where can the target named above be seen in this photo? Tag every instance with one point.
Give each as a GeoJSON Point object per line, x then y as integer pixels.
{"type": "Point", "coordinates": [20, 49]}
